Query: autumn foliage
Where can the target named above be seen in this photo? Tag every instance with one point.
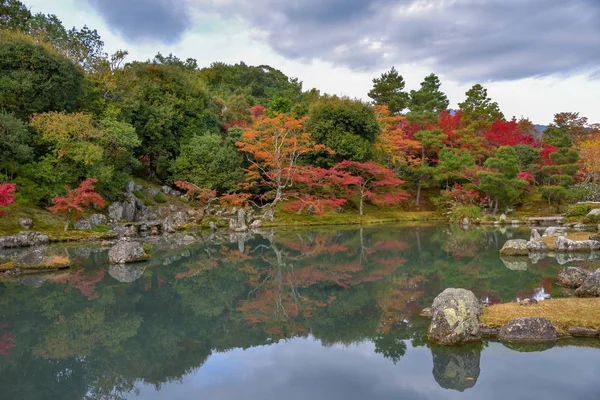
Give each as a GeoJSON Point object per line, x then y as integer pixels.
{"type": "Point", "coordinates": [76, 200]}
{"type": "Point", "coordinates": [6, 195]}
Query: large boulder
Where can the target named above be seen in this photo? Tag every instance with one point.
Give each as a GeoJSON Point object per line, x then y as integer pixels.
{"type": "Point", "coordinates": [529, 328]}
{"type": "Point", "coordinates": [129, 210]}
{"type": "Point", "coordinates": [115, 211]}
{"type": "Point", "coordinates": [455, 317]}
{"type": "Point", "coordinates": [555, 231]}
{"type": "Point", "coordinates": [515, 247]}
{"type": "Point", "coordinates": [87, 223]}
{"type": "Point", "coordinates": [24, 239]}
{"type": "Point", "coordinates": [590, 286]}
{"type": "Point", "coordinates": [572, 277]}
{"type": "Point", "coordinates": [564, 245]}
{"type": "Point", "coordinates": [126, 252]}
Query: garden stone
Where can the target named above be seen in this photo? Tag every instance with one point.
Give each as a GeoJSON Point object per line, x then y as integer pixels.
{"type": "Point", "coordinates": [166, 189]}
{"type": "Point", "coordinates": [26, 223]}
{"type": "Point", "coordinates": [515, 247]}
{"type": "Point", "coordinates": [590, 286]}
{"type": "Point", "coordinates": [455, 317]}
{"type": "Point", "coordinates": [537, 246]}
{"type": "Point", "coordinates": [130, 187]}
{"type": "Point", "coordinates": [529, 328]}
{"type": "Point", "coordinates": [595, 213]}
{"type": "Point", "coordinates": [572, 277]}
{"type": "Point", "coordinates": [564, 245]}
{"type": "Point", "coordinates": [555, 231]}
{"type": "Point", "coordinates": [535, 236]}
{"type": "Point", "coordinates": [24, 239]}
{"type": "Point", "coordinates": [126, 252]}
{"type": "Point", "coordinates": [115, 211]}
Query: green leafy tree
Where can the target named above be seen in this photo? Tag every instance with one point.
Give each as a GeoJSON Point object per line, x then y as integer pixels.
{"type": "Point", "coordinates": [15, 145]}
{"type": "Point", "coordinates": [388, 90]}
{"type": "Point", "coordinates": [348, 127]}
{"type": "Point", "coordinates": [500, 182]}
{"type": "Point", "coordinates": [452, 163]}
{"type": "Point", "coordinates": [35, 78]}
{"type": "Point", "coordinates": [479, 112]}
{"type": "Point", "coordinates": [431, 142]}
{"type": "Point", "coordinates": [13, 15]}
{"type": "Point", "coordinates": [526, 156]}
{"type": "Point", "coordinates": [208, 162]}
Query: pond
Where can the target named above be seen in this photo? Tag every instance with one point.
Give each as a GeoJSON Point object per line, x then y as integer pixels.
{"type": "Point", "coordinates": [319, 313]}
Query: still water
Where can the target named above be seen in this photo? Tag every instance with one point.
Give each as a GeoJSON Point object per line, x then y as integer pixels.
{"type": "Point", "coordinates": [328, 313]}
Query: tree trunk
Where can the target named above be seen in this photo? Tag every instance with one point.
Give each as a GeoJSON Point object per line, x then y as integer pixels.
{"type": "Point", "coordinates": [418, 200]}
{"type": "Point", "coordinates": [361, 205]}
{"type": "Point", "coordinates": [496, 207]}
{"type": "Point", "coordinates": [67, 223]}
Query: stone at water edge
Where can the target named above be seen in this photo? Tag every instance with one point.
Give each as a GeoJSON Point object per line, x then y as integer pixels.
{"type": "Point", "coordinates": [583, 332]}
{"type": "Point", "coordinates": [535, 236]}
{"type": "Point", "coordinates": [535, 246]}
{"type": "Point", "coordinates": [572, 277]}
{"type": "Point", "coordinates": [529, 328]}
{"type": "Point", "coordinates": [455, 317]}
{"type": "Point", "coordinates": [515, 247]}
{"type": "Point", "coordinates": [555, 231]}
{"type": "Point", "coordinates": [590, 286]}
{"type": "Point", "coordinates": [564, 245]}
{"type": "Point", "coordinates": [126, 252]}
{"type": "Point", "coordinates": [579, 227]}
{"type": "Point", "coordinates": [24, 239]}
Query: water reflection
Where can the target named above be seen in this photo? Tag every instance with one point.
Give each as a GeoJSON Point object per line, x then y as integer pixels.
{"type": "Point", "coordinates": [101, 331]}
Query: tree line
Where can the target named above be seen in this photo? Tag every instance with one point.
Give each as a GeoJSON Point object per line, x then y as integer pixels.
{"type": "Point", "coordinates": [71, 112]}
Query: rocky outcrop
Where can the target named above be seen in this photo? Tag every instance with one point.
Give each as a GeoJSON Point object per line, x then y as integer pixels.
{"type": "Point", "coordinates": [26, 223]}
{"type": "Point", "coordinates": [515, 247]}
{"type": "Point", "coordinates": [126, 252]}
{"type": "Point", "coordinates": [564, 245]}
{"type": "Point", "coordinates": [455, 317]}
{"type": "Point", "coordinates": [24, 239]}
{"type": "Point", "coordinates": [555, 231]}
{"type": "Point", "coordinates": [87, 223]}
{"type": "Point", "coordinates": [590, 286]}
{"type": "Point", "coordinates": [529, 328]}
{"type": "Point", "coordinates": [572, 277]}
{"type": "Point", "coordinates": [456, 369]}
{"type": "Point", "coordinates": [126, 273]}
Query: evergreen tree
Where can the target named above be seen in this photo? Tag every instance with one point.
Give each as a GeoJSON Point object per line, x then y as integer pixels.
{"type": "Point", "coordinates": [388, 90]}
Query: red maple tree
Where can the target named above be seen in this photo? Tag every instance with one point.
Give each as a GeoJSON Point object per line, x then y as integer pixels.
{"type": "Point", "coordinates": [76, 200]}
{"type": "Point", "coordinates": [372, 182]}
{"type": "Point", "coordinates": [6, 195]}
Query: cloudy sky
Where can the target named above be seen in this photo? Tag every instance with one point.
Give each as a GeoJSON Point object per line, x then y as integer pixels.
{"type": "Point", "coordinates": [536, 57]}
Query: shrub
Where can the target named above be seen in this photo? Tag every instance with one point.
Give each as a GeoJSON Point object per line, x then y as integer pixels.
{"type": "Point", "coordinates": [460, 212]}
{"type": "Point", "coordinates": [139, 194]}
{"type": "Point", "coordinates": [147, 247]}
{"type": "Point", "coordinates": [160, 198]}
{"type": "Point", "coordinates": [580, 210]}
{"type": "Point", "coordinates": [101, 228]}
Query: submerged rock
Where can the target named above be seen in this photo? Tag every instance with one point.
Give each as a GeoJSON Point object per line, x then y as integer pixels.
{"type": "Point", "coordinates": [24, 239]}
{"type": "Point", "coordinates": [529, 328]}
{"type": "Point", "coordinates": [590, 286]}
{"type": "Point", "coordinates": [515, 247]}
{"type": "Point", "coordinates": [572, 277]}
{"type": "Point", "coordinates": [126, 252]}
{"type": "Point", "coordinates": [456, 369]}
{"type": "Point", "coordinates": [515, 263]}
{"type": "Point", "coordinates": [455, 317]}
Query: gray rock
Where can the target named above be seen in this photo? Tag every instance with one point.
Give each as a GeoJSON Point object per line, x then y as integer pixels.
{"type": "Point", "coordinates": [582, 332]}
{"type": "Point", "coordinates": [87, 223]}
{"type": "Point", "coordinates": [38, 259]}
{"type": "Point", "coordinates": [175, 193]}
{"type": "Point", "coordinates": [26, 223]}
{"type": "Point", "coordinates": [529, 328]}
{"type": "Point", "coordinates": [138, 188]}
{"type": "Point", "coordinates": [535, 236]}
{"type": "Point", "coordinates": [212, 225]}
{"type": "Point", "coordinates": [536, 246]}
{"type": "Point", "coordinates": [166, 189]}
{"type": "Point", "coordinates": [82, 225]}
{"type": "Point", "coordinates": [579, 227]}
{"type": "Point", "coordinates": [256, 224]}
{"type": "Point", "coordinates": [489, 332]}
{"type": "Point", "coordinates": [514, 263]}
{"type": "Point", "coordinates": [555, 231]}
{"type": "Point", "coordinates": [153, 192]}
{"type": "Point", "coordinates": [168, 225]}
{"type": "Point", "coordinates": [115, 211]}
{"type": "Point", "coordinates": [456, 368]}
{"type": "Point", "coordinates": [129, 210]}
{"type": "Point", "coordinates": [455, 317]}
{"type": "Point", "coordinates": [595, 238]}
{"type": "Point", "coordinates": [515, 247]}
{"type": "Point", "coordinates": [24, 239]}
{"type": "Point", "coordinates": [564, 245]}
{"type": "Point", "coordinates": [126, 273]}
{"type": "Point", "coordinates": [126, 252]}
{"type": "Point", "coordinates": [572, 277]}
{"type": "Point", "coordinates": [130, 187]}
{"type": "Point", "coordinates": [595, 213]}
{"type": "Point", "coordinates": [590, 286]}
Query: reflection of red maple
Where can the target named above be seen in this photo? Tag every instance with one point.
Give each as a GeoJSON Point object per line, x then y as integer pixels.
{"type": "Point", "coordinates": [7, 341]}
{"type": "Point", "coordinates": [84, 281]}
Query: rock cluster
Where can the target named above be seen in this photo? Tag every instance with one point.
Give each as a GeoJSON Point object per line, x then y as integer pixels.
{"type": "Point", "coordinates": [24, 239]}
{"type": "Point", "coordinates": [564, 245]}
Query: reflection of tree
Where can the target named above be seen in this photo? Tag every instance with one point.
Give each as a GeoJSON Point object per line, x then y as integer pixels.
{"type": "Point", "coordinates": [82, 280]}
{"type": "Point", "coordinates": [7, 340]}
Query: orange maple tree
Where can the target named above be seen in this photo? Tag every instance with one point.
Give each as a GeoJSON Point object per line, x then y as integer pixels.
{"type": "Point", "coordinates": [76, 200]}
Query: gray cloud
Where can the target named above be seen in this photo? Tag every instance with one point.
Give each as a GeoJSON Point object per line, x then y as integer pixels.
{"type": "Point", "coordinates": [143, 20]}
{"type": "Point", "coordinates": [464, 39]}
